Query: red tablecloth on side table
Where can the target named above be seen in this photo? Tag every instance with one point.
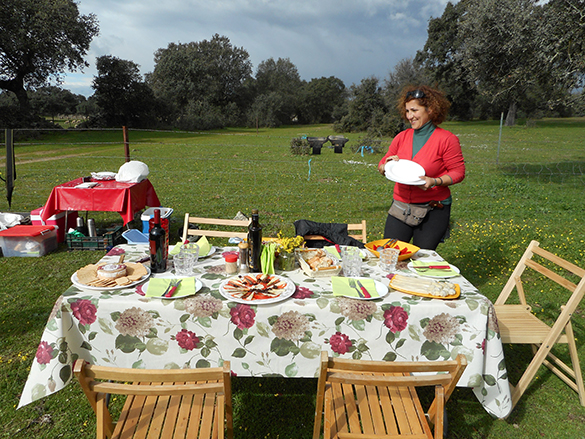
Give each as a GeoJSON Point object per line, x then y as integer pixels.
{"type": "Point", "coordinates": [106, 196]}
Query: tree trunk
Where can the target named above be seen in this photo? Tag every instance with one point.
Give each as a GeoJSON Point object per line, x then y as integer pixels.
{"type": "Point", "coordinates": [16, 86]}
{"type": "Point", "coordinates": [511, 116]}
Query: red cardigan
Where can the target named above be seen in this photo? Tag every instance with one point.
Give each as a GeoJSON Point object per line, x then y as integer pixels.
{"type": "Point", "coordinates": [441, 155]}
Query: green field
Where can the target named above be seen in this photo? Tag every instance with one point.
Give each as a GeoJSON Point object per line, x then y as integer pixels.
{"type": "Point", "coordinates": [531, 187]}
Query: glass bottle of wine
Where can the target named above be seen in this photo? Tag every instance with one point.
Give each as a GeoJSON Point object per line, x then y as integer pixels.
{"type": "Point", "coordinates": [158, 245]}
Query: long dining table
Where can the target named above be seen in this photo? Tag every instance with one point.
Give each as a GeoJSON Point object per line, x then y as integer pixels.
{"type": "Point", "coordinates": [284, 339]}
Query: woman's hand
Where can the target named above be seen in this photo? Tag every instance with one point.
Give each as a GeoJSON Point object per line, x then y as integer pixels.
{"type": "Point", "coordinates": [429, 182]}
{"type": "Point", "coordinates": [382, 166]}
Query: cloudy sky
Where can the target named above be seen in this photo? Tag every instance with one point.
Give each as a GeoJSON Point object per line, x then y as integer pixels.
{"type": "Point", "coordinates": [348, 39]}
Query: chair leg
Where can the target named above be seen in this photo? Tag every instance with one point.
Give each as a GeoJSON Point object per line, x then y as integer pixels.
{"type": "Point", "coordinates": [575, 362]}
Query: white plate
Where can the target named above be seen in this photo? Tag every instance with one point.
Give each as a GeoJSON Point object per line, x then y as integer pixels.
{"type": "Point", "coordinates": [380, 287]}
{"type": "Point", "coordinates": [435, 276]}
{"type": "Point", "coordinates": [287, 291]}
{"type": "Point", "coordinates": [78, 284]}
{"type": "Point", "coordinates": [405, 172]}
{"type": "Point", "coordinates": [103, 175]}
{"type": "Point", "coordinates": [211, 251]}
{"type": "Point", "coordinates": [144, 289]}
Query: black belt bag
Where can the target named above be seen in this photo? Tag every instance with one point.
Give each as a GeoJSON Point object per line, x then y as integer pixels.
{"type": "Point", "coordinates": [412, 214]}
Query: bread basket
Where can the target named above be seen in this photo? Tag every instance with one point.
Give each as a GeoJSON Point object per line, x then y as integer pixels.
{"type": "Point", "coordinates": [305, 254]}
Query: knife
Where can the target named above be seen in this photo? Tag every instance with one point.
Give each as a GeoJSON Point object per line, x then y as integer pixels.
{"type": "Point", "coordinates": [172, 288]}
{"type": "Point", "coordinates": [434, 267]}
{"type": "Point", "coordinates": [364, 291]}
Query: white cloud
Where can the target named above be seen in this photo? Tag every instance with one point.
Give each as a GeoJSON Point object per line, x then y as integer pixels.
{"type": "Point", "coordinates": [349, 39]}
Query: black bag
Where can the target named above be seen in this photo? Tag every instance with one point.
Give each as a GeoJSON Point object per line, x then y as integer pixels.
{"type": "Point", "coordinates": [409, 214]}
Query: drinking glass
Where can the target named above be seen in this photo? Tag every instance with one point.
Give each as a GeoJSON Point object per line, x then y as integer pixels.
{"type": "Point", "coordinates": [351, 261]}
{"type": "Point", "coordinates": [388, 259]}
{"type": "Point", "coordinates": [192, 249]}
{"type": "Point", "coordinates": [184, 263]}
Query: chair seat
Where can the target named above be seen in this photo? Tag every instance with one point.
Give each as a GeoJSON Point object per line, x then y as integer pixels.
{"type": "Point", "coordinates": [169, 417]}
{"type": "Point", "coordinates": [381, 412]}
{"type": "Point", "coordinates": [519, 326]}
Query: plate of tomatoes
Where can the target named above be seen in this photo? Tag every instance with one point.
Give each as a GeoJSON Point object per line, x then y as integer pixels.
{"type": "Point", "coordinates": [406, 249]}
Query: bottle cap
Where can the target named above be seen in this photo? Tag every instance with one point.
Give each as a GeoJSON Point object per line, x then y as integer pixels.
{"type": "Point", "coordinates": [243, 244]}
{"type": "Point", "coordinates": [231, 258]}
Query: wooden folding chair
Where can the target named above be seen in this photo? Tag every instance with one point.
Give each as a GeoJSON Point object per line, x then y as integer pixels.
{"type": "Point", "coordinates": [518, 325]}
{"type": "Point", "coordinates": [360, 227]}
{"type": "Point", "coordinates": [378, 399]}
{"type": "Point", "coordinates": [165, 404]}
{"type": "Point", "coordinates": [214, 232]}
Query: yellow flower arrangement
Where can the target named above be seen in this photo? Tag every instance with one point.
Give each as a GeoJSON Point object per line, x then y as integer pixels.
{"type": "Point", "coordinates": [288, 244]}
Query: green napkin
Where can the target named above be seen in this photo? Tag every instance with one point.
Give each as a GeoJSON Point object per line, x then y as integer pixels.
{"type": "Point", "coordinates": [340, 286]}
{"type": "Point", "coordinates": [176, 249]}
{"type": "Point", "coordinates": [267, 258]}
{"type": "Point", "coordinates": [332, 251]}
{"type": "Point", "coordinates": [204, 246]}
{"type": "Point", "coordinates": [158, 285]}
{"type": "Point", "coordinates": [433, 271]}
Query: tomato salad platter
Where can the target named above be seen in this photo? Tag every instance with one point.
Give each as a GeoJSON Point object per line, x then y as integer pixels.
{"type": "Point", "coordinates": [257, 289]}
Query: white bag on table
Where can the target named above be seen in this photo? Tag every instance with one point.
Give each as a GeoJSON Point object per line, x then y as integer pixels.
{"type": "Point", "coordinates": [132, 172]}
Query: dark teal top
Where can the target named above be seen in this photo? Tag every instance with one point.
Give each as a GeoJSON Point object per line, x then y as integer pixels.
{"type": "Point", "coordinates": [421, 136]}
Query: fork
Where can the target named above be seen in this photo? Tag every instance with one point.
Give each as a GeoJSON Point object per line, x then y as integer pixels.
{"type": "Point", "coordinates": [353, 285]}
{"type": "Point", "coordinates": [173, 285]}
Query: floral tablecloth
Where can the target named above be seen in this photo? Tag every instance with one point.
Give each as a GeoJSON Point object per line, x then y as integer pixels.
{"type": "Point", "coordinates": [122, 328]}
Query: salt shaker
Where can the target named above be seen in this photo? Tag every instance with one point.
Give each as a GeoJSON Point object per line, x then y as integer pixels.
{"type": "Point", "coordinates": [243, 257]}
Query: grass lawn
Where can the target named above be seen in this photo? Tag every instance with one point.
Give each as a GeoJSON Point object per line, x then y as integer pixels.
{"type": "Point", "coordinates": [530, 187]}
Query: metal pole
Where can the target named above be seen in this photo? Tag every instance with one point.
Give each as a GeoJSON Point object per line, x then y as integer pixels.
{"type": "Point", "coordinates": [10, 165]}
{"type": "Point", "coordinates": [126, 143]}
{"type": "Point", "coordinates": [500, 139]}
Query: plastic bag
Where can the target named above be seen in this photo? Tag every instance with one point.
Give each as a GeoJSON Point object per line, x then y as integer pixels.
{"type": "Point", "coordinates": [132, 172]}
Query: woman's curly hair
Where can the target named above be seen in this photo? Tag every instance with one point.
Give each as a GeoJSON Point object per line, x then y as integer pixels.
{"type": "Point", "coordinates": [434, 100]}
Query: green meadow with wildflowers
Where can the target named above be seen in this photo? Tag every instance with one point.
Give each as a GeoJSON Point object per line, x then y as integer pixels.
{"type": "Point", "coordinates": [529, 184]}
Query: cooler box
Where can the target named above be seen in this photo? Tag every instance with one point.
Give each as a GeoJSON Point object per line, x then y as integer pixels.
{"type": "Point", "coordinates": [28, 241]}
{"type": "Point", "coordinates": [56, 220]}
{"type": "Point", "coordinates": [165, 212]}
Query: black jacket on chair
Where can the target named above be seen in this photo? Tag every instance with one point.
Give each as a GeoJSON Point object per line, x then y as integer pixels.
{"type": "Point", "coordinates": [332, 232]}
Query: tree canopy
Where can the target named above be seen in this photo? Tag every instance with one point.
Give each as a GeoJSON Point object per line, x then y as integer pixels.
{"type": "Point", "coordinates": [40, 39]}
{"type": "Point", "coordinates": [507, 53]}
{"type": "Point", "coordinates": [121, 96]}
{"type": "Point", "coordinates": [202, 82]}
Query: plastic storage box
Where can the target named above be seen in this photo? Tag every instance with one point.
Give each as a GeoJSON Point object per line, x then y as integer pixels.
{"type": "Point", "coordinates": [135, 236]}
{"type": "Point", "coordinates": [28, 241]}
{"type": "Point", "coordinates": [56, 220]}
{"type": "Point", "coordinates": [106, 239]}
{"type": "Point", "coordinates": [165, 212]}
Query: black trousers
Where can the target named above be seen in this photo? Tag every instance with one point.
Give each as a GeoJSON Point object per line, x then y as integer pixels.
{"type": "Point", "coordinates": [426, 235]}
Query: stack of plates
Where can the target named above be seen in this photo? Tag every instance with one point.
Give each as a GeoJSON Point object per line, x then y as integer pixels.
{"type": "Point", "coordinates": [405, 172]}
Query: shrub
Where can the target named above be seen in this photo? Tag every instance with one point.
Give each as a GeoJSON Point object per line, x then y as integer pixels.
{"type": "Point", "coordinates": [300, 146]}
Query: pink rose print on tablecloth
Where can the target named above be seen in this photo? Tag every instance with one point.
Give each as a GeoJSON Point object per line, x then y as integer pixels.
{"type": "Point", "coordinates": [302, 293]}
{"type": "Point", "coordinates": [340, 343]}
{"type": "Point", "coordinates": [396, 319]}
{"type": "Point", "coordinates": [242, 316]}
{"type": "Point", "coordinates": [44, 353]}
{"type": "Point", "coordinates": [187, 339]}
{"type": "Point", "coordinates": [84, 311]}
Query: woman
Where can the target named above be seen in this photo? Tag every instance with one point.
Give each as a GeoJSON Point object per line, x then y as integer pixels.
{"type": "Point", "coordinates": [438, 151]}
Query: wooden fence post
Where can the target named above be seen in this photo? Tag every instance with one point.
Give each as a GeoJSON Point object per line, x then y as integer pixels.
{"type": "Point", "coordinates": [126, 143]}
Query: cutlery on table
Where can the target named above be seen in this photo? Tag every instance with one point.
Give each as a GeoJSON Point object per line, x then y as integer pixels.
{"type": "Point", "coordinates": [354, 286]}
{"type": "Point", "coordinates": [390, 243]}
{"type": "Point", "coordinates": [432, 267]}
{"type": "Point", "coordinates": [173, 285]}
{"type": "Point", "coordinates": [365, 292]}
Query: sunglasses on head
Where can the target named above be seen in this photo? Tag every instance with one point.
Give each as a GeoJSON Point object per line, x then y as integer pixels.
{"type": "Point", "coordinates": [415, 94]}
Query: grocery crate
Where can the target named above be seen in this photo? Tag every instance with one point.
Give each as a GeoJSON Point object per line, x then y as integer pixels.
{"type": "Point", "coordinates": [108, 238]}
